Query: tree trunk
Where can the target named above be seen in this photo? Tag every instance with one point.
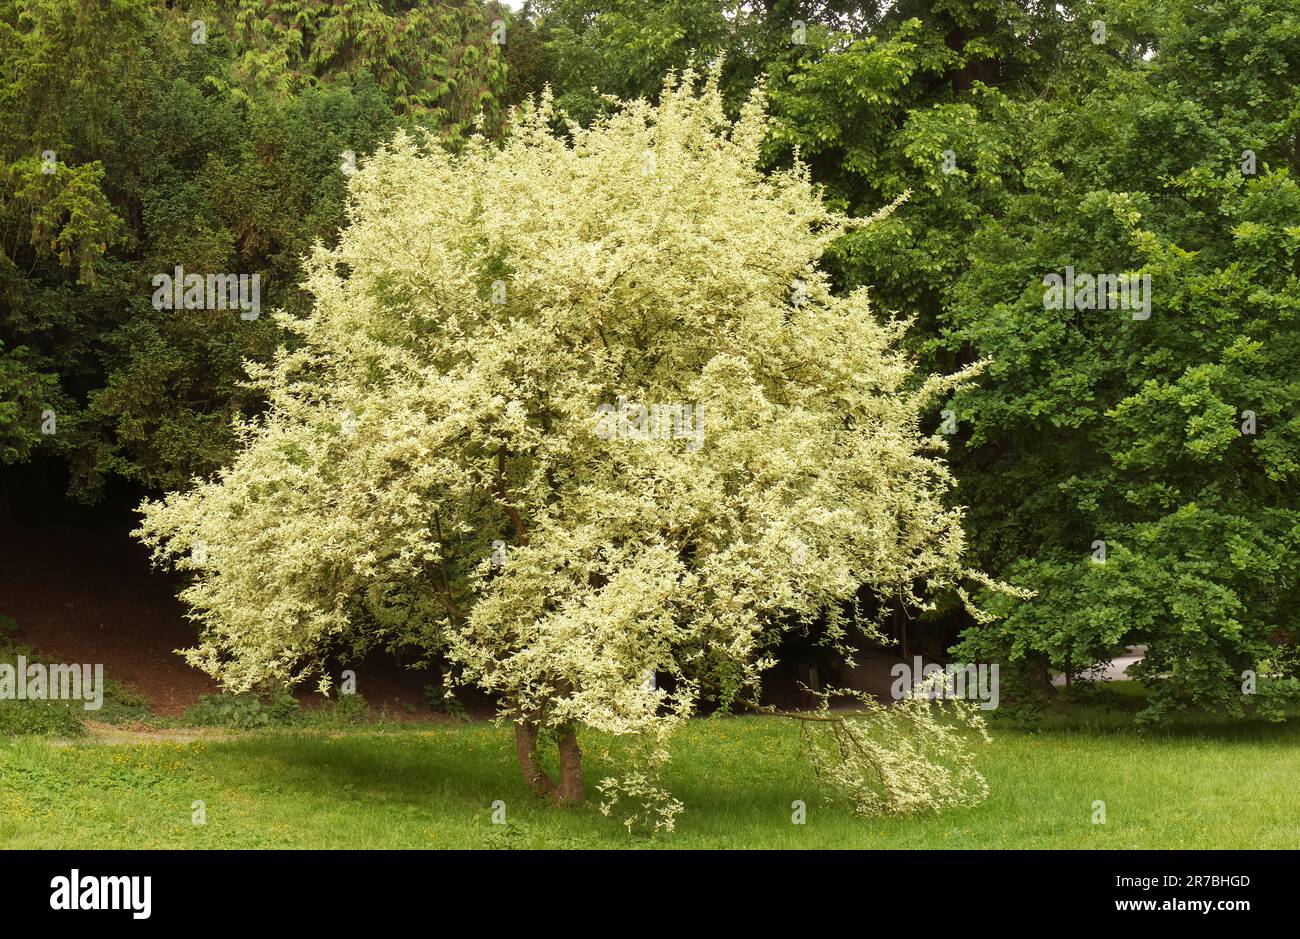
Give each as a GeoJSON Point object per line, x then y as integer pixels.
{"type": "Point", "coordinates": [570, 765]}
{"type": "Point", "coordinates": [526, 747]}
{"type": "Point", "coordinates": [570, 788]}
{"type": "Point", "coordinates": [1040, 680]}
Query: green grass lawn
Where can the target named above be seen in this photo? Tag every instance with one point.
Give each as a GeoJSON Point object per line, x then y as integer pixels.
{"type": "Point", "coordinates": [1204, 785]}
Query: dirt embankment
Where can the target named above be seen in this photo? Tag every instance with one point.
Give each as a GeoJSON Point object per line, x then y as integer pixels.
{"type": "Point", "coordinates": [89, 595]}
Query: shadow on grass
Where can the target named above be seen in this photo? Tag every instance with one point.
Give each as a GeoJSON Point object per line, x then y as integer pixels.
{"type": "Point", "coordinates": [740, 772]}
{"type": "Point", "coordinates": [448, 773]}
{"type": "Point", "coordinates": [324, 765]}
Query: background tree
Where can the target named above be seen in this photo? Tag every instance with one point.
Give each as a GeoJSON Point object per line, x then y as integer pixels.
{"type": "Point", "coordinates": [1173, 438]}
{"type": "Point", "coordinates": [218, 148]}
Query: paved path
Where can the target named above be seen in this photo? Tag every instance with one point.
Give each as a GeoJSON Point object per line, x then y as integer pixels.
{"type": "Point", "coordinates": [1116, 669]}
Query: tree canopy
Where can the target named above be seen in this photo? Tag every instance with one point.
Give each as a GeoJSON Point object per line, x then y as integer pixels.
{"type": "Point", "coordinates": [615, 356]}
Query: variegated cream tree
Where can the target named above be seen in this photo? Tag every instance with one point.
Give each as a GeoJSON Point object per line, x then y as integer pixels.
{"type": "Point", "coordinates": [576, 412]}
